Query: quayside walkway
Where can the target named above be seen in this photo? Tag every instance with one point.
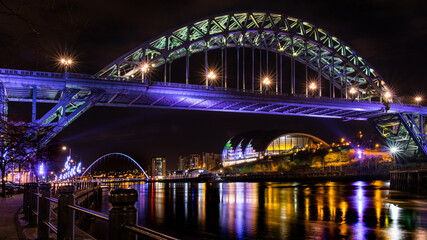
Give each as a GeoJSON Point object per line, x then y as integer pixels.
{"type": "Point", "coordinates": [8, 208]}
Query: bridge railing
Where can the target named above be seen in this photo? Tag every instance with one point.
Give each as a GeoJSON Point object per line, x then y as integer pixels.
{"type": "Point", "coordinates": [4, 71]}
{"type": "Point", "coordinates": [121, 219]}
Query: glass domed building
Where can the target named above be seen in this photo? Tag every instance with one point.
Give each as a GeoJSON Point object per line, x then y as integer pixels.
{"type": "Point", "coordinates": [255, 145]}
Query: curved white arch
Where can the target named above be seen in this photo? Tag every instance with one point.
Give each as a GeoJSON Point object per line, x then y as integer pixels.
{"type": "Point", "coordinates": [122, 154]}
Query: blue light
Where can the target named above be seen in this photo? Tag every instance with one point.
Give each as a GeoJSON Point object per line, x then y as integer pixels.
{"type": "Point", "coordinates": [41, 169]}
{"type": "Point", "coordinates": [359, 154]}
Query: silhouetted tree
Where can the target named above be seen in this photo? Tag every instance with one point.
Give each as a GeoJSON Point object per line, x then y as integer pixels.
{"type": "Point", "coordinates": [19, 144]}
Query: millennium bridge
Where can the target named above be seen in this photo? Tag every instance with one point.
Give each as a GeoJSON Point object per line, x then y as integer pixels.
{"type": "Point", "coordinates": [251, 62]}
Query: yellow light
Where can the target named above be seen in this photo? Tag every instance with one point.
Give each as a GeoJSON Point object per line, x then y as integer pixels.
{"type": "Point", "coordinates": [266, 81]}
{"type": "Point", "coordinates": [312, 86]}
{"type": "Point", "coordinates": [387, 95]}
{"type": "Point", "coordinates": [64, 148]}
{"type": "Point", "coordinates": [342, 139]}
{"type": "Point", "coordinates": [418, 99]}
{"type": "Point", "coordinates": [145, 68]}
{"type": "Point", "coordinates": [66, 61]}
{"type": "Point", "coordinates": [353, 90]}
{"type": "Point", "coordinates": [211, 75]}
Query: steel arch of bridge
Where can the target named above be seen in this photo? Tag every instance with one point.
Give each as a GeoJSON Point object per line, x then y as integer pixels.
{"type": "Point", "coordinates": [300, 40]}
{"type": "Point", "coordinates": [120, 154]}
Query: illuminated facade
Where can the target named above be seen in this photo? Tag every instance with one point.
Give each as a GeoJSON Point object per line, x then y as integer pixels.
{"type": "Point", "coordinates": [255, 145]}
{"type": "Point", "coordinates": [158, 166]}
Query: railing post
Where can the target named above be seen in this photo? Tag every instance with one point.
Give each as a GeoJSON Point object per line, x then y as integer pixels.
{"type": "Point", "coordinates": [65, 214]}
{"type": "Point", "coordinates": [97, 197]}
{"type": "Point", "coordinates": [123, 211]}
{"type": "Point", "coordinates": [26, 204]}
{"type": "Point", "coordinates": [32, 191]}
{"type": "Point", "coordinates": [44, 212]}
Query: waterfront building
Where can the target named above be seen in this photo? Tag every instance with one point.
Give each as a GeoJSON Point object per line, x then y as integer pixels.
{"type": "Point", "coordinates": [211, 160]}
{"type": "Point", "coordinates": [183, 163]}
{"type": "Point", "coordinates": [158, 166]}
{"type": "Point", "coordinates": [257, 145]}
{"type": "Point", "coordinates": [196, 161]}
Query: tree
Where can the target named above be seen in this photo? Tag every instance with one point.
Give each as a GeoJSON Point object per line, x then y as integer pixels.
{"type": "Point", "coordinates": [19, 143]}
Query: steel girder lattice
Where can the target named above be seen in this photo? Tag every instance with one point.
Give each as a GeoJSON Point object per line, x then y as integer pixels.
{"type": "Point", "coordinates": [72, 104]}
{"type": "Point", "coordinates": [406, 132]}
{"type": "Point", "coordinates": [292, 37]}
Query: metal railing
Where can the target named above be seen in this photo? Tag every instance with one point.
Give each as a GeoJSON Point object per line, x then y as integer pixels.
{"type": "Point", "coordinates": [122, 217]}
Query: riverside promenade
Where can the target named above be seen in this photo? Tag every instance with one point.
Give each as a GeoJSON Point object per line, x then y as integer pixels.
{"type": "Point", "coordinates": [8, 208]}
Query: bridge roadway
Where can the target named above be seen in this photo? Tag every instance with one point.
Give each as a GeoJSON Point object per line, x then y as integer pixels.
{"type": "Point", "coordinates": [123, 92]}
{"type": "Point", "coordinates": [74, 94]}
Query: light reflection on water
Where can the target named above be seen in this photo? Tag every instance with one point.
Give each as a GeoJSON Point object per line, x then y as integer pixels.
{"type": "Point", "coordinates": [329, 210]}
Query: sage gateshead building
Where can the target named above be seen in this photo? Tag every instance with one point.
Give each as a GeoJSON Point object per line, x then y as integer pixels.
{"type": "Point", "coordinates": [257, 145]}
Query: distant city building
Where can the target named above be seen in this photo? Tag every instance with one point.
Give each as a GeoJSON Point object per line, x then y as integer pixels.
{"type": "Point", "coordinates": [211, 160]}
{"type": "Point", "coordinates": [183, 163]}
{"type": "Point", "coordinates": [206, 161]}
{"type": "Point", "coordinates": [195, 161]}
{"type": "Point", "coordinates": [158, 166]}
{"type": "Point", "coordinates": [255, 145]}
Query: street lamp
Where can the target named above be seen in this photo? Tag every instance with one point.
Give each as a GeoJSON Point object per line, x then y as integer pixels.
{"type": "Point", "coordinates": [66, 62]}
{"type": "Point", "coordinates": [352, 92]}
{"type": "Point", "coordinates": [312, 87]}
{"type": "Point", "coordinates": [211, 77]}
{"type": "Point", "coordinates": [267, 83]}
{"type": "Point", "coordinates": [387, 95]}
{"type": "Point", "coordinates": [144, 69]}
{"type": "Point", "coordinates": [418, 99]}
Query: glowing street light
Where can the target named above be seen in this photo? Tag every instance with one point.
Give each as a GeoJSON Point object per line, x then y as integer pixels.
{"type": "Point", "coordinates": [66, 62]}
{"type": "Point", "coordinates": [144, 69]}
{"type": "Point", "coordinates": [387, 95]}
{"type": "Point", "coordinates": [266, 82]}
{"type": "Point", "coordinates": [353, 90]}
{"type": "Point", "coordinates": [211, 77]}
{"type": "Point", "coordinates": [312, 86]}
{"type": "Point", "coordinates": [394, 150]}
{"type": "Point", "coordinates": [418, 99]}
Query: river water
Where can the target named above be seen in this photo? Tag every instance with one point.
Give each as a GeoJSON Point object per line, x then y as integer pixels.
{"type": "Point", "coordinates": [243, 210]}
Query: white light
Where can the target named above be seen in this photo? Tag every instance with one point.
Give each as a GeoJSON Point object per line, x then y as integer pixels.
{"type": "Point", "coordinates": [387, 95]}
{"type": "Point", "coordinates": [353, 90]}
{"type": "Point", "coordinates": [394, 150]}
{"type": "Point", "coordinates": [266, 81]}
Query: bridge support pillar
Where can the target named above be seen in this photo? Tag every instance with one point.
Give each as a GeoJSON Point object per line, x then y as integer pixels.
{"type": "Point", "coordinates": [123, 211]}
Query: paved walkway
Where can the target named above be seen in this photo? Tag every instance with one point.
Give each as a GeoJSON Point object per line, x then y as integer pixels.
{"type": "Point", "coordinates": [8, 207]}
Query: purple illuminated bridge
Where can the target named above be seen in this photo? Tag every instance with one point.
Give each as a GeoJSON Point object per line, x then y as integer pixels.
{"type": "Point", "coordinates": [248, 62]}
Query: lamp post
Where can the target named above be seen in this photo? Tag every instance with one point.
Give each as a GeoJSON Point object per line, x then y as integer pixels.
{"type": "Point", "coordinates": [312, 87]}
{"type": "Point", "coordinates": [267, 83]}
{"type": "Point", "coordinates": [66, 62]}
{"type": "Point", "coordinates": [352, 92]}
{"type": "Point", "coordinates": [144, 69]}
{"type": "Point", "coordinates": [211, 77]}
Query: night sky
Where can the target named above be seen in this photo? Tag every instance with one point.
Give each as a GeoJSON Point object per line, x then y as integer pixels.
{"type": "Point", "coordinates": [390, 35]}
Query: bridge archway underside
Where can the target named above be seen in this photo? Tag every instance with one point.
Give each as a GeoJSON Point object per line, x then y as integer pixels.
{"type": "Point", "coordinates": [297, 39]}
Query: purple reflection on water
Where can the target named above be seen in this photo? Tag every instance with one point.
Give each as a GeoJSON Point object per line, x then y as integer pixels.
{"type": "Point", "coordinates": [329, 210]}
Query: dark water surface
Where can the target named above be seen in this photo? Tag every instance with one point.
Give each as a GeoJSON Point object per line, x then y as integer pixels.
{"type": "Point", "coordinates": [327, 210]}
